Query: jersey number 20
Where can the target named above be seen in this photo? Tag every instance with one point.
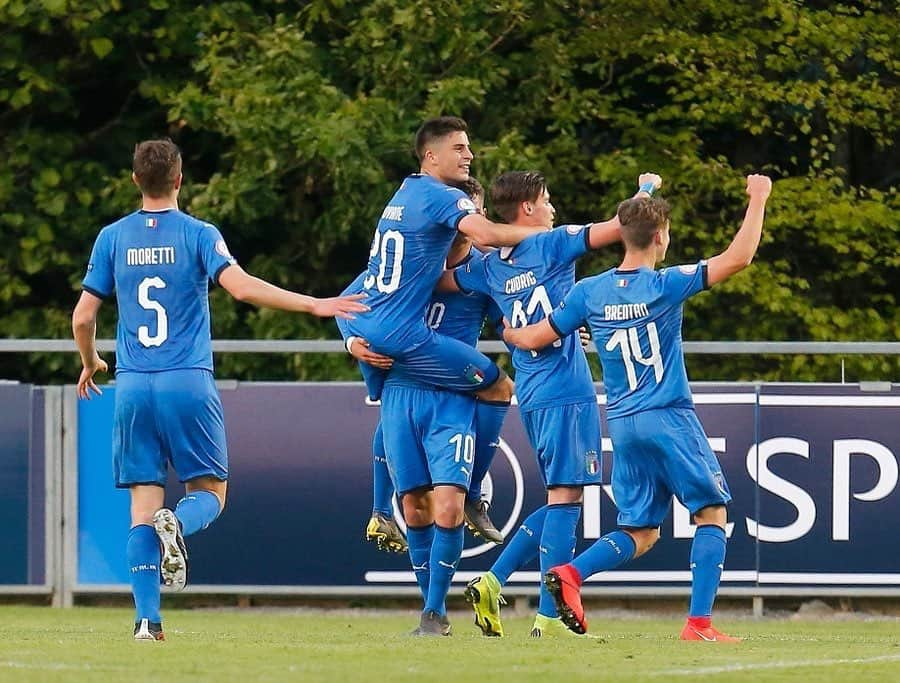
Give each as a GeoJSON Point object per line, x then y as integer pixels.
{"type": "Point", "coordinates": [631, 352]}
{"type": "Point", "coordinates": [162, 320]}
{"type": "Point", "coordinates": [383, 243]}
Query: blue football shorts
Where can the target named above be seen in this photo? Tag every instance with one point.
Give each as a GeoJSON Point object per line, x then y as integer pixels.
{"type": "Point", "coordinates": [566, 440]}
{"type": "Point", "coordinates": [658, 454]}
{"type": "Point", "coordinates": [429, 437]}
{"type": "Point", "coordinates": [424, 356]}
{"type": "Point", "coordinates": [173, 416]}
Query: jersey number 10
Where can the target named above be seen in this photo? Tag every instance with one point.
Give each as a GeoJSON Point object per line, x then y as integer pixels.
{"type": "Point", "coordinates": [631, 352]}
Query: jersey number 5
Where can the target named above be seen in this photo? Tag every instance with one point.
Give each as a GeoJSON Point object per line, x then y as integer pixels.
{"type": "Point", "coordinates": [390, 247]}
{"type": "Point", "coordinates": [631, 351]}
{"type": "Point", "coordinates": [162, 320]}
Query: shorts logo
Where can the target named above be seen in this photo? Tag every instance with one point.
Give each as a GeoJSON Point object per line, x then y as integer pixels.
{"type": "Point", "coordinates": [592, 462]}
{"type": "Point", "coordinates": [474, 375]}
{"type": "Point", "coordinates": [720, 483]}
{"type": "Point", "coordinates": [466, 204]}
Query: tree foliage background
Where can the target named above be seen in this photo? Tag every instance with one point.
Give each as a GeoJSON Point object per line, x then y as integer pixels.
{"type": "Point", "coordinates": [296, 122]}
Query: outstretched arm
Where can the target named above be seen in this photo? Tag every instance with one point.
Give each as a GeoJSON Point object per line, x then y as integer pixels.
{"type": "Point", "coordinates": [490, 234]}
{"type": "Point", "coordinates": [252, 290]}
{"type": "Point", "coordinates": [530, 337]}
{"type": "Point", "coordinates": [84, 329]}
{"type": "Point", "coordinates": [743, 247]}
{"type": "Point", "coordinates": [609, 232]}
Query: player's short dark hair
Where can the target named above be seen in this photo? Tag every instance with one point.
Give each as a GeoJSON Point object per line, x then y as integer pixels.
{"type": "Point", "coordinates": [434, 129]}
{"type": "Point", "coordinates": [472, 187]}
{"type": "Point", "coordinates": [156, 165]}
{"type": "Point", "coordinates": [514, 187]}
{"type": "Point", "coordinates": [641, 218]}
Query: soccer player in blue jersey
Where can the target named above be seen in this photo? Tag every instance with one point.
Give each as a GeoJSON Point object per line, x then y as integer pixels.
{"type": "Point", "coordinates": [460, 317]}
{"type": "Point", "coordinates": [555, 390]}
{"type": "Point", "coordinates": [659, 446]}
{"type": "Point", "coordinates": [158, 261]}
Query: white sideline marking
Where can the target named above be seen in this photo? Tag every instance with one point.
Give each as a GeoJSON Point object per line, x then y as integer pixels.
{"type": "Point", "coordinates": [57, 666]}
{"type": "Point", "coordinates": [775, 665]}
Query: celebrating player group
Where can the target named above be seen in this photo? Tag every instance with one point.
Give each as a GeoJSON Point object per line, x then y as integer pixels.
{"type": "Point", "coordinates": [443, 403]}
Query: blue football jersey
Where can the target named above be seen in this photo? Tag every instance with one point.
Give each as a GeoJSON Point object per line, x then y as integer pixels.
{"type": "Point", "coordinates": [159, 264]}
{"type": "Point", "coordinates": [635, 318]}
{"type": "Point", "coordinates": [527, 282]}
{"type": "Point", "coordinates": [406, 260]}
{"type": "Point", "coordinates": [456, 315]}
{"type": "Point", "coordinates": [459, 315]}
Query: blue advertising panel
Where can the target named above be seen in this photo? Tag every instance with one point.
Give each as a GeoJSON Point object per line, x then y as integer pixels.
{"type": "Point", "coordinates": [300, 493]}
{"type": "Point", "coordinates": [15, 437]}
{"type": "Point", "coordinates": [827, 474]}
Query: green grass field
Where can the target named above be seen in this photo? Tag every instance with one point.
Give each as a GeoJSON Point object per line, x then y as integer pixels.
{"type": "Point", "coordinates": [94, 644]}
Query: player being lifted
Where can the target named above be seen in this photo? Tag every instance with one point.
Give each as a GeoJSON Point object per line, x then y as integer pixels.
{"type": "Point", "coordinates": [460, 317]}
{"type": "Point", "coordinates": [554, 387]}
{"type": "Point", "coordinates": [159, 261]}
{"type": "Point", "coordinates": [659, 446]}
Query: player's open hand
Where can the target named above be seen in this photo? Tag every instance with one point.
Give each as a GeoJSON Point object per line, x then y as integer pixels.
{"type": "Point", "coordinates": [652, 178]}
{"type": "Point", "coordinates": [361, 351]}
{"type": "Point", "coordinates": [584, 335]}
{"type": "Point", "coordinates": [759, 186]}
{"type": "Point", "coordinates": [339, 306]}
{"type": "Point", "coordinates": [86, 382]}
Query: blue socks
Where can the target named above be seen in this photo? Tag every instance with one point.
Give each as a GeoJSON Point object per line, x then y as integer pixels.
{"type": "Point", "coordinates": [383, 487]}
{"type": "Point", "coordinates": [445, 553]}
{"type": "Point", "coordinates": [707, 560]}
{"type": "Point", "coordinates": [607, 552]}
{"type": "Point", "coordinates": [143, 555]}
{"type": "Point", "coordinates": [522, 548]}
{"type": "Point", "coordinates": [420, 539]}
{"type": "Point", "coordinates": [489, 416]}
{"type": "Point", "coordinates": [196, 511]}
{"type": "Point", "coordinates": [557, 546]}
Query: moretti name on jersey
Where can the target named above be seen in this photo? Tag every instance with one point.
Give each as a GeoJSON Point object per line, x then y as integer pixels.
{"type": "Point", "coordinates": [150, 256]}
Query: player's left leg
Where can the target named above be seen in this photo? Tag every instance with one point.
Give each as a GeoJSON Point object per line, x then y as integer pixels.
{"type": "Point", "coordinates": [449, 440]}
{"type": "Point", "coordinates": [188, 405]}
{"type": "Point", "coordinates": [143, 555]}
{"type": "Point", "coordinates": [707, 562]}
{"type": "Point", "coordinates": [567, 442]}
{"type": "Point", "coordinates": [694, 475]}
{"type": "Point", "coordinates": [489, 417]}
{"type": "Point", "coordinates": [139, 464]}
{"type": "Point", "coordinates": [382, 528]}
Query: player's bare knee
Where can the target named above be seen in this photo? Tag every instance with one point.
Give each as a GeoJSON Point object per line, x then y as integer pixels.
{"type": "Point", "coordinates": [217, 487]}
{"type": "Point", "coordinates": [500, 391]}
{"type": "Point", "coordinates": [712, 515]}
{"type": "Point", "coordinates": [644, 539]}
{"type": "Point", "coordinates": [565, 495]}
{"type": "Point", "coordinates": [416, 508]}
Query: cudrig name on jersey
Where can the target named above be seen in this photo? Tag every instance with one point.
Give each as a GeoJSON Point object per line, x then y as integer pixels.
{"type": "Point", "coordinates": [520, 282]}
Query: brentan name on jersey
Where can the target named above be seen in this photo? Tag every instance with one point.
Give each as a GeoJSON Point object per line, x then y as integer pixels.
{"type": "Point", "coordinates": [520, 282]}
{"type": "Point", "coordinates": [392, 213]}
{"type": "Point", "coordinates": [625, 311]}
{"type": "Point", "coordinates": [150, 256]}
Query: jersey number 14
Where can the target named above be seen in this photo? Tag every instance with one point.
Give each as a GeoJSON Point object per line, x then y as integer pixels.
{"type": "Point", "coordinates": [628, 341]}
